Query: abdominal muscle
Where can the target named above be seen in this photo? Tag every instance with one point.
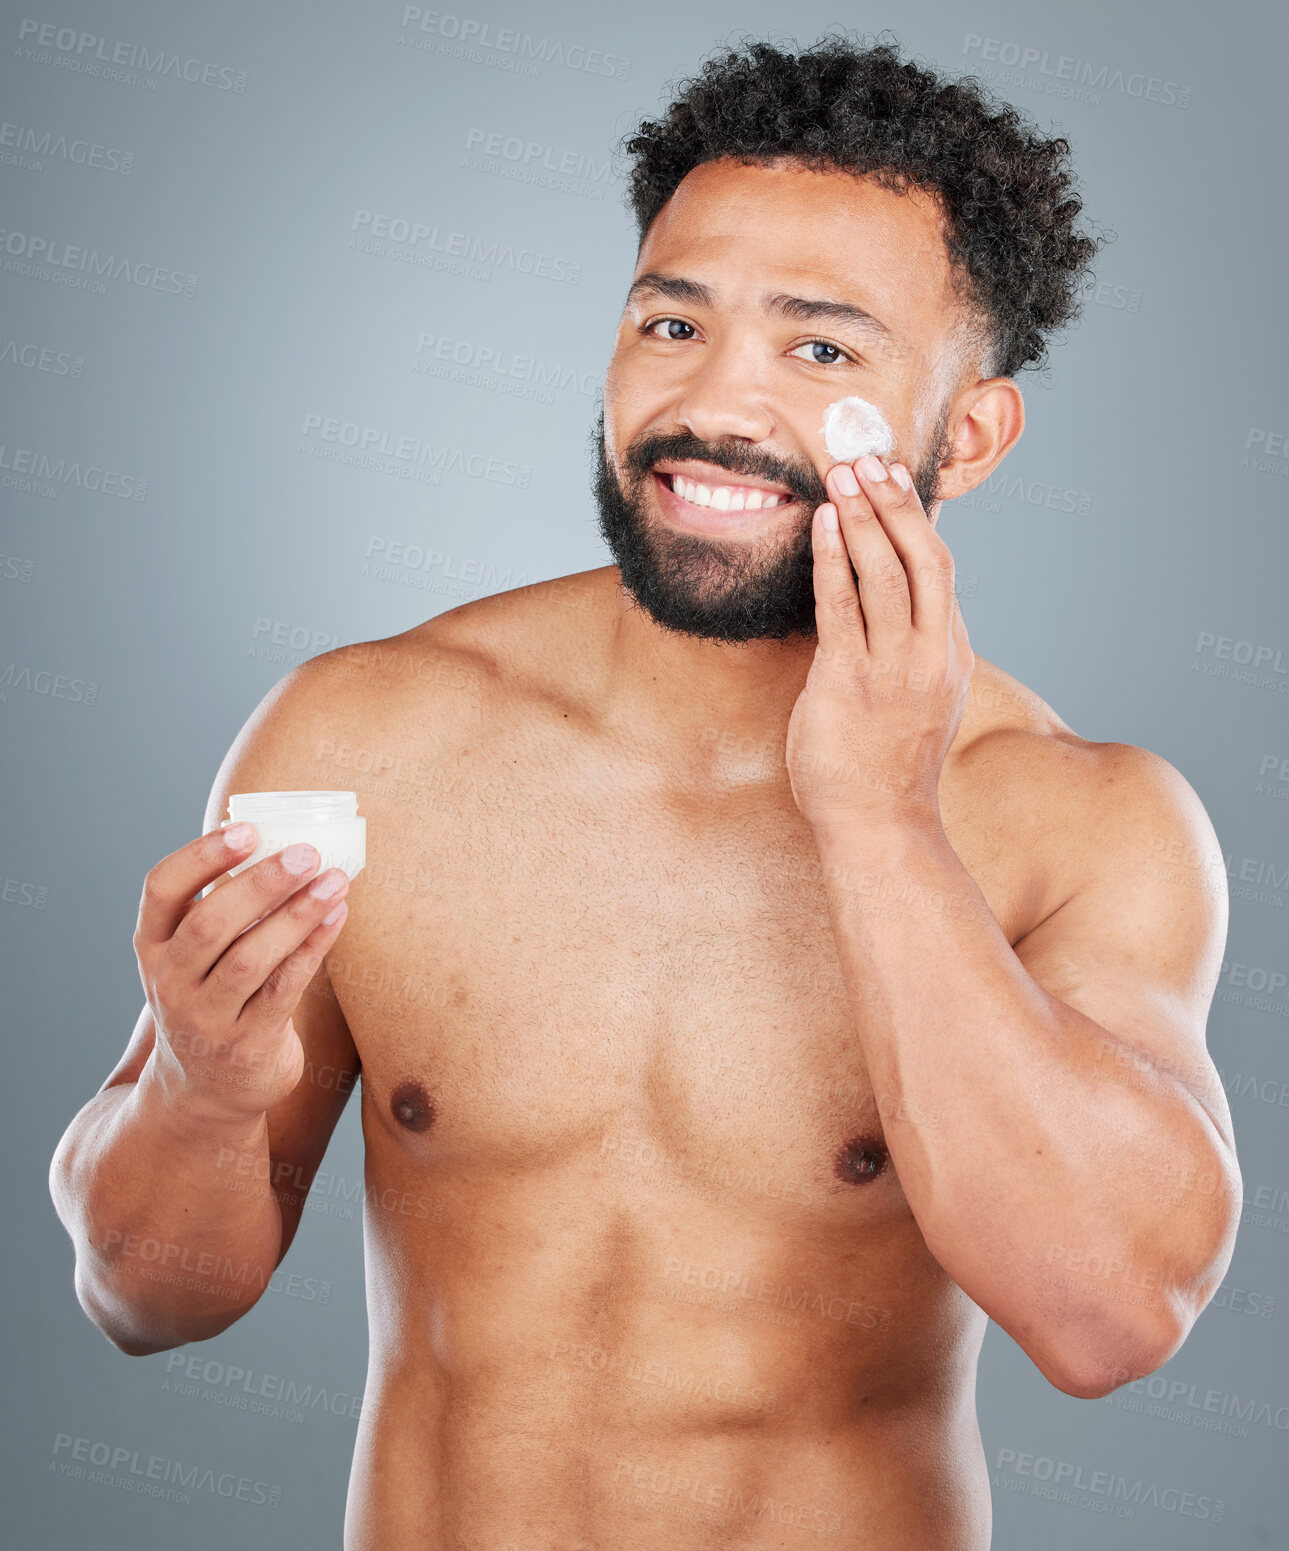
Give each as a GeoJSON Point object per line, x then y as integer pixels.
{"type": "Point", "coordinates": [559, 1364]}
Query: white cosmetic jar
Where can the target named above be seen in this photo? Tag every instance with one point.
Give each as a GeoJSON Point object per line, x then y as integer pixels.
{"type": "Point", "coordinates": [329, 821]}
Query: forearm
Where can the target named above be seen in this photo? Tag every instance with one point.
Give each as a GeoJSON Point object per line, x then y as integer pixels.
{"type": "Point", "coordinates": [175, 1226]}
{"type": "Point", "coordinates": [1045, 1187]}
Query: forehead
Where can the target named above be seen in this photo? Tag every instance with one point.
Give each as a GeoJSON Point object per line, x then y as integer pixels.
{"type": "Point", "coordinates": [745, 230]}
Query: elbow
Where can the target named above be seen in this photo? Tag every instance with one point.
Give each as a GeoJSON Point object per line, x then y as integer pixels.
{"type": "Point", "coordinates": [113, 1320]}
{"type": "Point", "coordinates": [1101, 1351]}
{"type": "Point", "coordinates": [1090, 1380]}
{"type": "Point", "coordinates": [1105, 1361]}
{"type": "Point", "coordinates": [130, 1338]}
{"type": "Point", "coordinates": [135, 1348]}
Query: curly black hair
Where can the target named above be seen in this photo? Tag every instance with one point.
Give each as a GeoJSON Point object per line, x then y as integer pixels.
{"type": "Point", "coordinates": [1007, 195]}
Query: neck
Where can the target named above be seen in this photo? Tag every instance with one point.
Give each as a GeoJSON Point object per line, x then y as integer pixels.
{"type": "Point", "coordinates": [713, 709]}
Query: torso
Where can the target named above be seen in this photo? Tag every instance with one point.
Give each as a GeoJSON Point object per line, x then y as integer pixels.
{"type": "Point", "coordinates": [638, 1262]}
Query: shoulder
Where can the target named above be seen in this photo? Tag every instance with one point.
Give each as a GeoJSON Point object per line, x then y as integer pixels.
{"type": "Point", "coordinates": [1012, 735]}
{"type": "Point", "coordinates": [446, 676]}
{"type": "Point", "coordinates": [1111, 813]}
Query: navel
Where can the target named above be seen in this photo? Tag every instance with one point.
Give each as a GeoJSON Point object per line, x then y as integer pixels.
{"type": "Point", "coordinates": [410, 1105]}
{"type": "Point", "coordinates": [861, 1159]}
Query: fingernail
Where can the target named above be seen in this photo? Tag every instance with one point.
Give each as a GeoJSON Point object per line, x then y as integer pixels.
{"type": "Point", "coordinates": [901, 476]}
{"type": "Point", "coordinates": [828, 516]}
{"type": "Point", "coordinates": [327, 884]}
{"type": "Point", "coordinates": [843, 476]}
{"type": "Point", "coordinates": [299, 857]}
{"type": "Point", "coordinates": [873, 467]}
{"type": "Point", "coordinates": [338, 914]}
{"type": "Point", "coordinates": [238, 836]}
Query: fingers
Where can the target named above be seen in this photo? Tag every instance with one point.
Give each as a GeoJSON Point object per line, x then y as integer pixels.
{"type": "Point", "coordinates": [883, 584]}
{"type": "Point", "coordinates": [886, 527]}
{"type": "Point", "coordinates": [258, 960]}
{"type": "Point", "coordinates": [273, 1003]}
{"type": "Point", "coordinates": [839, 620]}
{"type": "Point", "coordinates": [169, 888]}
{"type": "Point", "coordinates": [272, 893]}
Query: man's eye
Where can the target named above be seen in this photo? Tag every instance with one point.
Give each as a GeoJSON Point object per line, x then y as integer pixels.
{"type": "Point", "coordinates": [822, 353]}
{"type": "Point", "coordinates": [673, 326]}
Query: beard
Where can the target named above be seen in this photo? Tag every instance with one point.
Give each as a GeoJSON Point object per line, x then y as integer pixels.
{"type": "Point", "coordinates": [713, 588]}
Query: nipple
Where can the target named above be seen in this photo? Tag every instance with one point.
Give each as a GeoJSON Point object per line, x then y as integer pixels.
{"type": "Point", "coordinates": [411, 1107]}
{"type": "Point", "coordinates": [861, 1159]}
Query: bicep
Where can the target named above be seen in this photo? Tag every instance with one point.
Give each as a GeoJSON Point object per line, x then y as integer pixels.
{"type": "Point", "coordinates": [1138, 946]}
{"type": "Point", "coordinates": [301, 1126]}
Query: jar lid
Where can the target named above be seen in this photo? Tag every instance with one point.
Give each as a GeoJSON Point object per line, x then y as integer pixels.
{"type": "Point", "coordinates": [311, 807]}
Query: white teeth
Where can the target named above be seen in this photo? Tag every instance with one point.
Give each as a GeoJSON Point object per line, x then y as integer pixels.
{"type": "Point", "coordinates": [725, 498]}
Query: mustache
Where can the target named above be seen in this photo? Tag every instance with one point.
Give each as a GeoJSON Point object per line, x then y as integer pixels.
{"type": "Point", "coordinates": [735, 457]}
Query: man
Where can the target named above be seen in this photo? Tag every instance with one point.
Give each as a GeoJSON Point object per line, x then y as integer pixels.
{"type": "Point", "coordinates": [753, 991]}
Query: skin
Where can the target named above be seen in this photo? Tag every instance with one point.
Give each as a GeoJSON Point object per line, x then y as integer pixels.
{"type": "Point", "coordinates": [739, 1026]}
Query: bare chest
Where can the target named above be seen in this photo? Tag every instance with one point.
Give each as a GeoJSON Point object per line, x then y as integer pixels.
{"type": "Point", "coordinates": [537, 968]}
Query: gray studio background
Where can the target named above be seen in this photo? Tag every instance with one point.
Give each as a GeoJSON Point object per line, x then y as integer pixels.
{"type": "Point", "coordinates": [1128, 562]}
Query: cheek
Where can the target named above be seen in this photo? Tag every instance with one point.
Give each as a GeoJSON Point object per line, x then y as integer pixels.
{"type": "Point", "coordinates": [852, 427]}
{"type": "Point", "coordinates": [616, 400]}
{"type": "Point", "coordinates": [634, 389]}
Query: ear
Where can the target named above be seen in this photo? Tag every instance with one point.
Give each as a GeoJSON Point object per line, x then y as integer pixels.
{"type": "Point", "coordinates": [984, 424]}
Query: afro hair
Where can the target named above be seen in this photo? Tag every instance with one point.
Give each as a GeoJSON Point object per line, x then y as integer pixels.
{"type": "Point", "coordinates": [1007, 195]}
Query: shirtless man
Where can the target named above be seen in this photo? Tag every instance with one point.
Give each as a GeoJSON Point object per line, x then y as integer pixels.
{"type": "Point", "coordinates": [743, 1017]}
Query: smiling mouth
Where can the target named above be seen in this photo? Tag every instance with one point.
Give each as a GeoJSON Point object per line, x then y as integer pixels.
{"type": "Point", "coordinates": [725, 498]}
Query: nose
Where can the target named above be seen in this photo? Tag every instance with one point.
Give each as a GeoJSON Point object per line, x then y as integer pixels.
{"type": "Point", "coordinates": [724, 397]}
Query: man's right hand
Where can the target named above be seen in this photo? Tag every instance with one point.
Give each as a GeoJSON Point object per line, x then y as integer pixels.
{"type": "Point", "coordinates": [223, 974]}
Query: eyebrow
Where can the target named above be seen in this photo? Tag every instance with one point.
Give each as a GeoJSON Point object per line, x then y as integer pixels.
{"type": "Point", "coordinates": [807, 309]}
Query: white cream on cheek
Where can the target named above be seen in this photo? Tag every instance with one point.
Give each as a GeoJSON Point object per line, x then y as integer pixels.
{"type": "Point", "coordinates": [853, 427]}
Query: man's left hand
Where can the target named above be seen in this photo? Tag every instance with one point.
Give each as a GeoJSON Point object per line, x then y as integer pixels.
{"type": "Point", "coordinates": [888, 685]}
